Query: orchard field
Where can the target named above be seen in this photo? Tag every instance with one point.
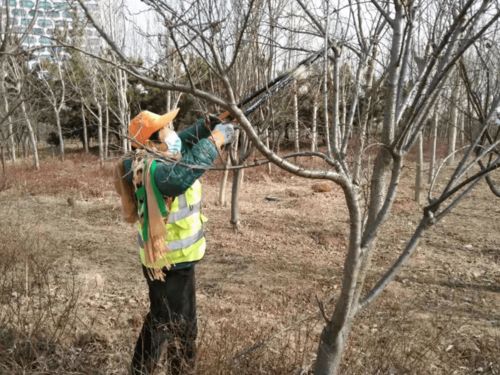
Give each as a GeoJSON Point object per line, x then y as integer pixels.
{"type": "Point", "coordinates": [73, 296]}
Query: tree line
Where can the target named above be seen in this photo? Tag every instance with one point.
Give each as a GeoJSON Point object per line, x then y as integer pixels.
{"type": "Point", "coordinates": [393, 77]}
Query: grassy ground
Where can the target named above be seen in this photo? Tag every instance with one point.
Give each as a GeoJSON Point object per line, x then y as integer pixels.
{"type": "Point", "coordinates": [72, 295]}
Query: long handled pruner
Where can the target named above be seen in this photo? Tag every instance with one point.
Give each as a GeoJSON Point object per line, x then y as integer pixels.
{"type": "Point", "coordinates": [257, 98]}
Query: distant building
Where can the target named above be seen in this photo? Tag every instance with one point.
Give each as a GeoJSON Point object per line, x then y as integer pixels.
{"type": "Point", "coordinates": [51, 15]}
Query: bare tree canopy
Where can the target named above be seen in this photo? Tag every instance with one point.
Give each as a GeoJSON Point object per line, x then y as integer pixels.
{"type": "Point", "coordinates": [385, 75]}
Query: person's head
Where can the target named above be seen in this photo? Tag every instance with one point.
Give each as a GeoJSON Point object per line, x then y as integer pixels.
{"type": "Point", "coordinates": [149, 128]}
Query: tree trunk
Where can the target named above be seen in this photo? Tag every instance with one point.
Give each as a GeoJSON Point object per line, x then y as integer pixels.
{"type": "Point", "coordinates": [31, 135]}
{"type": "Point", "coordinates": [12, 140]}
{"type": "Point", "coordinates": [2, 152]}
{"type": "Point", "coordinates": [10, 131]}
{"type": "Point", "coordinates": [434, 136]}
{"type": "Point", "coordinates": [336, 133]}
{"type": "Point", "coordinates": [325, 115]}
{"type": "Point", "coordinates": [325, 84]}
{"type": "Point", "coordinates": [85, 133]}
{"type": "Point", "coordinates": [106, 133]}
{"type": "Point", "coordinates": [235, 190]}
{"type": "Point", "coordinates": [266, 135]}
{"type": "Point", "coordinates": [453, 126]}
{"type": "Point", "coordinates": [330, 350]}
{"type": "Point", "coordinates": [314, 127]}
{"type": "Point", "coordinates": [223, 183]}
{"type": "Point", "coordinates": [365, 116]}
{"type": "Point", "coordinates": [124, 109]}
{"type": "Point", "coordinates": [169, 101]}
{"type": "Point", "coordinates": [99, 133]}
{"type": "Point", "coordinates": [419, 167]}
{"type": "Point", "coordinates": [270, 73]}
{"type": "Point", "coordinates": [383, 159]}
{"type": "Point", "coordinates": [242, 151]}
{"type": "Point", "coordinates": [59, 134]}
{"type": "Point", "coordinates": [343, 108]}
{"type": "Point", "coordinates": [462, 130]}
{"type": "Point", "coordinates": [336, 331]}
{"type": "Point", "coordinates": [58, 108]}
{"type": "Point", "coordinates": [296, 118]}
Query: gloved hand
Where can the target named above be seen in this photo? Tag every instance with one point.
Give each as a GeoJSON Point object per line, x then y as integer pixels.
{"type": "Point", "coordinates": [223, 134]}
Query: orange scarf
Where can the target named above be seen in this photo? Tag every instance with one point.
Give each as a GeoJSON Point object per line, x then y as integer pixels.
{"type": "Point", "coordinates": [155, 247]}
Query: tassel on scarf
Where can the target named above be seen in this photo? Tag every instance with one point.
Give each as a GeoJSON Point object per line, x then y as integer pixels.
{"type": "Point", "coordinates": [156, 214]}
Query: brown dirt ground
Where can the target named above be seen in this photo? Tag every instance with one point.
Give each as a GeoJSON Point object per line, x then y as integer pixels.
{"type": "Point", "coordinates": [258, 288]}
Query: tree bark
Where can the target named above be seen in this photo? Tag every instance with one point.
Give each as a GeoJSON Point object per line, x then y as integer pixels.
{"type": "Point", "coordinates": [435, 122]}
{"type": "Point", "coordinates": [60, 134]}
{"type": "Point", "coordinates": [462, 130]}
{"type": "Point", "coordinates": [335, 132]}
{"type": "Point", "coordinates": [85, 132]}
{"type": "Point", "coordinates": [419, 167]}
{"type": "Point", "coordinates": [2, 152]}
{"type": "Point", "coordinates": [106, 122]}
{"type": "Point", "coordinates": [383, 159]}
{"type": "Point", "coordinates": [10, 128]}
{"type": "Point", "coordinates": [325, 86]}
{"type": "Point", "coordinates": [453, 126]}
{"type": "Point", "coordinates": [314, 127]}
{"type": "Point", "coordinates": [124, 109]}
{"type": "Point", "coordinates": [99, 133]}
{"type": "Point", "coordinates": [266, 135]}
{"type": "Point", "coordinates": [363, 126]}
{"type": "Point", "coordinates": [223, 183]}
{"type": "Point", "coordinates": [31, 135]}
{"type": "Point", "coordinates": [334, 335]}
{"type": "Point", "coordinates": [235, 190]}
{"type": "Point", "coordinates": [296, 118]}
{"type": "Point", "coordinates": [58, 107]}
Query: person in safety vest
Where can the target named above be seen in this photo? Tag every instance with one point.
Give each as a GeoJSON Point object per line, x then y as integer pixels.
{"type": "Point", "coordinates": [163, 196]}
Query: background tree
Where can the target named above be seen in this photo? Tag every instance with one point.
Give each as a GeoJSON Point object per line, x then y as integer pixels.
{"type": "Point", "coordinates": [51, 84]}
{"type": "Point", "coordinates": [404, 90]}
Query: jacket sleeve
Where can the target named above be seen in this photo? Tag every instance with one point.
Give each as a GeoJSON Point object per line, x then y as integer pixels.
{"type": "Point", "coordinates": [175, 178]}
{"type": "Point", "coordinates": [194, 133]}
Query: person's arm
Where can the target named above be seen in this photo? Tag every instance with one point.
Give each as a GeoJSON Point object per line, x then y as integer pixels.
{"type": "Point", "coordinates": [175, 178]}
{"type": "Point", "coordinates": [191, 136]}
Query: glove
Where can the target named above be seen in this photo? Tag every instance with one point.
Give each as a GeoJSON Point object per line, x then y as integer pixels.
{"type": "Point", "coordinates": [222, 134]}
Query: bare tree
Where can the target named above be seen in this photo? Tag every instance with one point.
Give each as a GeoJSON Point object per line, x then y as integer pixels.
{"type": "Point", "coordinates": [18, 73]}
{"type": "Point", "coordinates": [11, 41]}
{"type": "Point", "coordinates": [54, 90]}
{"type": "Point", "coordinates": [453, 126]}
{"type": "Point", "coordinates": [408, 89]}
{"type": "Point", "coordinates": [434, 139]}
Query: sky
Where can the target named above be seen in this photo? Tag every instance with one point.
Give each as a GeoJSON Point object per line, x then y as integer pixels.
{"type": "Point", "coordinates": [136, 44]}
{"type": "Point", "coordinates": [135, 5]}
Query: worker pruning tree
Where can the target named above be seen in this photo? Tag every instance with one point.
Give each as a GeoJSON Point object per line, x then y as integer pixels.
{"type": "Point", "coordinates": [396, 72]}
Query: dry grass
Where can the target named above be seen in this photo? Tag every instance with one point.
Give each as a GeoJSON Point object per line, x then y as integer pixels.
{"type": "Point", "coordinates": [79, 175]}
{"type": "Point", "coordinates": [257, 292]}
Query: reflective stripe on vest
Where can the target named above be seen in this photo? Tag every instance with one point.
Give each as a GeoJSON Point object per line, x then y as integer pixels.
{"type": "Point", "coordinates": [185, 237]}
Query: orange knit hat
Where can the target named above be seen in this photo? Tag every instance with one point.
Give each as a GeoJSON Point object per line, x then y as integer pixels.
{"type": "Point", "coordinates": [143, 125]}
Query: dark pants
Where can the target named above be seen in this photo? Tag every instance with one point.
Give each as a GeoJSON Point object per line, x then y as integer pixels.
{"type": "Point", "coordinates": [171, 321]}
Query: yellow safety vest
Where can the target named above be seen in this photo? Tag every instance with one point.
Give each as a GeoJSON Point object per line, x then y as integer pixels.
{"type": "Point", "coordinates": [185, 236]}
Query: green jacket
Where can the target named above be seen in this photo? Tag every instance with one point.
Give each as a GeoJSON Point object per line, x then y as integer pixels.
{"type": "Point", "coordinates": [174, 178]}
